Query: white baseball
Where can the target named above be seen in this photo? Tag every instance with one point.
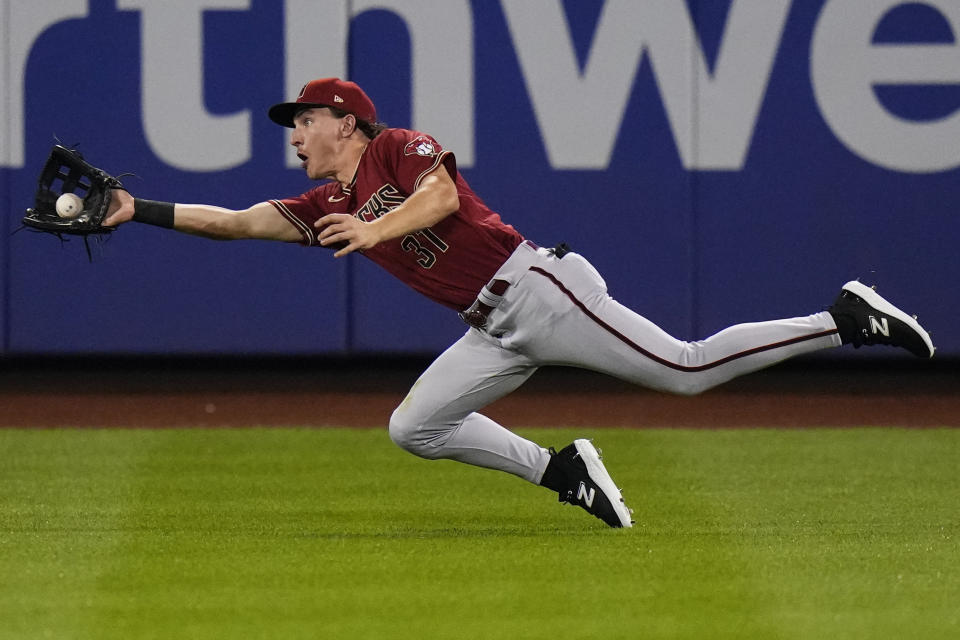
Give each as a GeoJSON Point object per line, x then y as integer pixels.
{"type": "Point", "coordinates": [69, 205]}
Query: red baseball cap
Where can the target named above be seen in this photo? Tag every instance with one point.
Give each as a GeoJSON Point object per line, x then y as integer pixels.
{"type": "Point", "coordinates": [326, 92]}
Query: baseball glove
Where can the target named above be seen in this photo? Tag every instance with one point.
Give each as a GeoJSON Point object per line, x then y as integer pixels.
{"type": "Point", "coordinates": [67, 172]}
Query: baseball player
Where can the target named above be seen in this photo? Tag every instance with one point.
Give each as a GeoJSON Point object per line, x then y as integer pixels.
{"type": "Point", "coordinates": [395, 196]}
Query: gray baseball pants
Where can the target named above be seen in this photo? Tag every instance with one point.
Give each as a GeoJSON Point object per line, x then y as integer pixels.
{"type": "Point", "coordinates": [556, 311]}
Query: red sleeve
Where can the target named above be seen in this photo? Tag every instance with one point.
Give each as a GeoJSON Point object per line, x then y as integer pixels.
{"type": "Point", "coordinates": [410, 155]}
{"type": "Point", "coordinates": [303, 210]}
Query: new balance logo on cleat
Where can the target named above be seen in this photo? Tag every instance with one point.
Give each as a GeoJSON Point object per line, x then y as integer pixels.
{"type": "Point", "coordinates": [880, 326]}
{"type": "Point", "coordinates": [586, 495]}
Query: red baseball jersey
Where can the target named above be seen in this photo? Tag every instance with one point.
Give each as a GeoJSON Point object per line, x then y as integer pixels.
{"type": "Point", "coordinates": [448, 262]}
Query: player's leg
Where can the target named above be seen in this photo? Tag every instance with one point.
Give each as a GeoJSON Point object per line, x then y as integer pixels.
{"type": "Point", "coordinates": [438, 417]}
{"type": "Point", "coordinates": [438, 420]}
{"type": "Point", "coordinates": [642, 353]}
{"type": "Point", "coordinates": [590, 329]}
{"type": "Point", "coordinates": [635, 349]}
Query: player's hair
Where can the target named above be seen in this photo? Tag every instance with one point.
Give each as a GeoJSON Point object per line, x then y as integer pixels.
{"type": "Point", "coordinates": [369, 129]}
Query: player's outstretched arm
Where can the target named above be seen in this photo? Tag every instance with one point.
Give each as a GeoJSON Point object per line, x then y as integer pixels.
{"type": "Point", "coordinates": [261, 221]}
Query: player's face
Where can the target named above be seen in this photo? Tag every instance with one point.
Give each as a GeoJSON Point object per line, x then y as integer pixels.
{"type": "Point", "coordinates": [316, 135]}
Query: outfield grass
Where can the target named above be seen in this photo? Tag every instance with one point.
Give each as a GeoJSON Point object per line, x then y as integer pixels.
{"type": "Point", "coordinates": [285, 533]}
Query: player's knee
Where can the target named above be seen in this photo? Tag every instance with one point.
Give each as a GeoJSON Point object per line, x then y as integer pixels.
{"type": "Point", "coordinates": [408, 433]}
{"type": "Point", "coordinates": [402, 432]}
{"type": "Point", "coordinates": [687, 385]}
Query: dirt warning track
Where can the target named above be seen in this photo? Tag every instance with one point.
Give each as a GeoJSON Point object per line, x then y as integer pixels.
{"type": "Point", "coordinates": [160, 393]}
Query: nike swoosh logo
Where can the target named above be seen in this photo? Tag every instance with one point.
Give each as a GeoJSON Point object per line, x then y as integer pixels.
{"type": "Point", "coordinates": [332, 199]}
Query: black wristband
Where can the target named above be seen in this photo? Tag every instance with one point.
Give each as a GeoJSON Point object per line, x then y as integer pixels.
{"type": "Point", "coordinates": [159, 214]}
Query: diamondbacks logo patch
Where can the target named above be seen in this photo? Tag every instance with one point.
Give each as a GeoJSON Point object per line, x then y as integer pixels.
{"type": "Point", "coordinates": [421, 146]}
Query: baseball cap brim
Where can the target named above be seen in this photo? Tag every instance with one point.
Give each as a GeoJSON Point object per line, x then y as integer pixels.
{"type": "Point", "coordinates": [284, 113]}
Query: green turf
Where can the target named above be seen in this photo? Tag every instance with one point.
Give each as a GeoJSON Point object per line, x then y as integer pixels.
{"type": "Point", "coordinates": [285, 533]}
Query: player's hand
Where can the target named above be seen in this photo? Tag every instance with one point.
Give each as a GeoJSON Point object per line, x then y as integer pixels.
{"type": "Point", "coordinates": [351, 234]}
{"type": "Point", "coordinates": [121, 208]}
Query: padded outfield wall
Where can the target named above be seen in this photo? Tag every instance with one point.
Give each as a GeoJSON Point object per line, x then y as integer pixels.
{"type": "Point", "coordinates": [719, 161]}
